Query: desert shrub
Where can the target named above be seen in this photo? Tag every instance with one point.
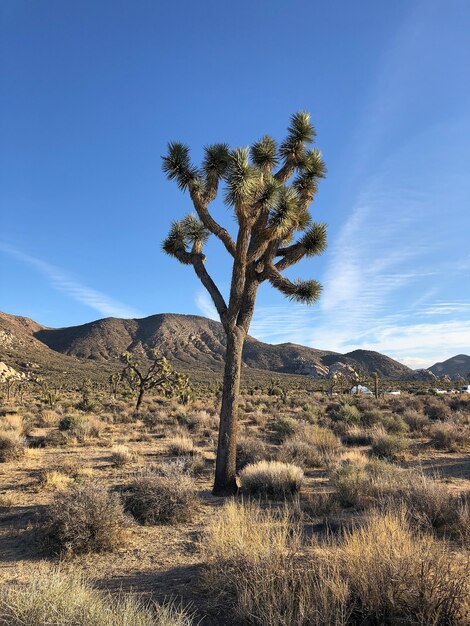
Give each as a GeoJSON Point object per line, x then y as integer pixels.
{"type": "Point", "coordinates": [415, 420]}
{"type": "Point", "coordinates": [161, 498]}
{"type": "Point", "coordinates": [432, 506]}
{"type": "Point", "coordinates": [447, 436]}
{"type": "Point", "coordinates": [59, 599]}
{"type": "Point", "coordinates": [311, 446]}
{"type": "Point", "coordinates": [348, 413]}
{"type": "Point", "coordinates": [180, 445]}
{"type": "Point", "coordinates": [84, 519]}
{"type": "Point", "coordinates": [55, 480]}
{"type": "Point", "coordinates": [271, 478]}
{"type": "Point", "coordinates": [197, 420]}
{"type": "Point", "coordinates": [49, 418]}
{"type": "Point", "coordinates": [75, 425]}
{"type": "Point", "coordinates": [300, 453]}
{"type": "Point", "coordinates": [12, 445]}
{"type": "Point", "coordinates": [250, 450]}
{"type": "Point", "coordinates": [362, 485]}
{"type": "Point", "coordinates": [95, 426]}
{"type": "Point", "coordinates": [121, 456]}
{"type": "Point", "coordinates": [15, 423]}
{"type": "Point", "coordinates": [372, 416]}
{"type": "Point", "coordinates": [394, 424]}
{"type": "Point", "coordinates": [460, 403]}
{"type": "Point", "coordinates": [390, 447]}
{"type": "Point", "coordinates": [357, 436]}
{"type": "Point", "coordinates": [55, 439]}
{"type": "Point", "coordinates": [437, 409]}
{"type": "Point", "coordinates": [283, 427]}
{"type": "Point", "coordinates": [397, 576]}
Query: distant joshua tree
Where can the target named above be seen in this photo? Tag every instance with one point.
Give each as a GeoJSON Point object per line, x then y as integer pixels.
{"type": "Point", "coordinates": [159, 375]}
{"type": "Point", "coordinates": [269, 212]}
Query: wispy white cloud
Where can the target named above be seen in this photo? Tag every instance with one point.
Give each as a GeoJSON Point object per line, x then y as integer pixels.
{"type": "Point", "coordinates": [60, 280]}
{"type": "Point", "coordinates": [206, 306]}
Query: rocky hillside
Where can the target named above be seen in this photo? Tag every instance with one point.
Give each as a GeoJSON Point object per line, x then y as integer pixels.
{"type": "Point", "coordinates": [187, 340]}
{"type": "Point", "coordinates": [456, 366]}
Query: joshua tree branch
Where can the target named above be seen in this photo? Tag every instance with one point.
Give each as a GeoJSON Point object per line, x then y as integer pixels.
{"type": "Point", "coordinates": [217, 298]}
{"type": "Point", "coordinates": [211, 225]}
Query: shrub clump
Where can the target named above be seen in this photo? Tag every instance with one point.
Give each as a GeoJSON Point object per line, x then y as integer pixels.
{"type": "Point", "coordinates": [283, 427]}
{"type": "Point", "coordinates": [75, 425]}
{"type": "Point", "coordinates": [311, 446]}
{"type": "Point", "coordinates": [83, 519]}
{"type": "Point", "coordinates": [121, 456]}
{"type": "Point", "coordinates": [348, 413]}
{"type": "Point", "coordinates": [271, 479]}
{"type": "Point", "coordinates": [164, 496]}
{"type": "Point", "coordinates": [59, 599]}
{"type": "Point", "coordinates": [12, 445]}
{"type": "Point", "coordinates": [389, 447]}
{"type": "Point", "coordinates": [250, 450]}
{"type": "Point", "coordinates": [448, 436]}
{"type": "Point", "coordinates": [180, 445]}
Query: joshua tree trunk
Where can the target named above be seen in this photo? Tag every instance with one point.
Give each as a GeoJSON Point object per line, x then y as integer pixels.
{"type": "Point", "coordinates": [139, 399]}
{"type": "Point", "coordinates": [225, 470]}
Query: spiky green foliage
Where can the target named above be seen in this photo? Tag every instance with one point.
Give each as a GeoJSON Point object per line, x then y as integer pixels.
{"type": "Point", "coordinates": [306, 292]}
{"type": "Point", "coordinates": [268, 193]}
{"type": "Point", "coordinates": [314, 240]}
{"type": "Point", "coordinates": [264, 153]}
{"type": "Point", "coordinates": [299, 133]}
{"type": "Point", "coordinates": [241, 178]}
{"type": "Point", "coordinates": [188, 231]}
{"type": "Point", "coordinates": [216, 159]}
{"type": "Point", "coordinates": [313, 164]}
{"type": "Point", "coordinates": [194, 230]}
{"type": "Point", "coordinates": [177, 166]}
{"type": "Point", "coordinates": [174, 244]}
{"type": "Point", "coordinates": [284, 214]}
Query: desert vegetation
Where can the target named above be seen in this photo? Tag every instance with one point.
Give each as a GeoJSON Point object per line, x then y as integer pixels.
{"type": "Point", "coordinates": [107, 514]}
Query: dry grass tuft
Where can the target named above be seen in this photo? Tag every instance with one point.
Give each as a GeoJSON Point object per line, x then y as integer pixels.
{"type": "Point", "coordinates": [271, 478]}
{"type": "Point", "coordinates": [60, 599]}
{"type": "Point", "coordinates": [397, 576]}
{"type": "Point", "coordinates": [448, 436]}
{"type": "Point", "coordinates": [180, 445]}
{"type": "Point", "coordinates": [12, 445]}
{"type": "Point", "coordinates": [380, 573]}
{"type": "Point", "coordinates": [121, 456]}
{"type": "Point", "coordinates": [311, 446]}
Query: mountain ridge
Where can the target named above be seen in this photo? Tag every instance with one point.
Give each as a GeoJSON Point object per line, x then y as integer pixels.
{"type": "Point", "coordinates": [188, 340]}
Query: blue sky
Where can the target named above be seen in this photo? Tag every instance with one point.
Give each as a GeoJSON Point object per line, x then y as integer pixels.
{"type": "Point", "coordinates": [94, 89]}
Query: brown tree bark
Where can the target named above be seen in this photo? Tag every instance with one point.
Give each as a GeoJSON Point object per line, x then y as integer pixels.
{"type": "Point", "coordinates": [225, 471]}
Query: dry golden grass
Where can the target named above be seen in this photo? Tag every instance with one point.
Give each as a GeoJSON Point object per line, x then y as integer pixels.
{"type": "Point", "coordinates": [271, 478]}
{"type": "Point", "coordinates": [396, 575]}
{"type": "Point", "coordinates": [121, 456]}
{"type": "Point", "coordinates": [12, 445]}
{"type": "Point", "coordinates": [56, 481]}
{"type": "Point", "coordinates": [49, 418]}
{"type": "Point", "coordinates": [67, 599]}
{"type": "Point", "coordinates": [379, 573]}
{"type": "Point", "coordinates": [180, 445]}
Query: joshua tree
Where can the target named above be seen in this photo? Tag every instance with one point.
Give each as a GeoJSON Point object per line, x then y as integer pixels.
{"type": "Point", "coordinates": [159, 375]}
{"type": "Point", "coordinates": [269, 212]}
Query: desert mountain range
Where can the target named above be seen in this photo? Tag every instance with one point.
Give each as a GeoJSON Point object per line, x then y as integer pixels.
{"type": "Point", "coordinates": [190, 341]}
